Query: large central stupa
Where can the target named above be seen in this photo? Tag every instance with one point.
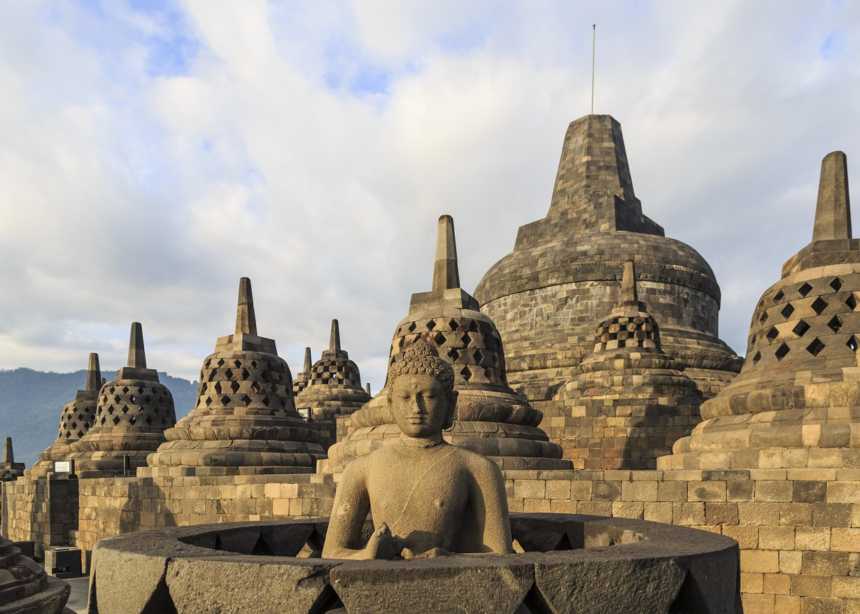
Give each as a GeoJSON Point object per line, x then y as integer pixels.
{"type": "Point", "coordinates": [564, 274]}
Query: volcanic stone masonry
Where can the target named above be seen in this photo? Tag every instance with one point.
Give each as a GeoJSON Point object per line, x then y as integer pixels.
{"type": "Point", "coordinates": [301, 380]}
{"type": "Point", "coordinates": [332, 388]}
{"type": "Point", "coordinates": [76, 419]}
{"type": "Point", "coordinates": [133, 411]}
{"type": "Point", "coordinates": [491, 419]}
{"type": "Point", "coordinates": [245, 420]}
{"type": "Point", "coordinates": [629, 402]}
{"type": "Point", "coordinates": [562, 275]}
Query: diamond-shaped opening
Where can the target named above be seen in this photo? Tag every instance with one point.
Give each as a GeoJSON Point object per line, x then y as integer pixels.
{"type": "Point", "coordinates": [815, 347]}
{"type": "Point", "coordinates": [852, 343]}
{"type": "Point", "coordinates": [835, 324]}
{"type": "Point", "coordinates": [266, 401]}
{"type": "Point", "coordinates": [234, 386]}
{"type": "Point", "coordinates": [756, 358]}
{"type": "Point", "coordinates": [228, 374]}
{"type": "Point", "coordinates": [220, 362]}
{"type": "Point", "coordinates": [763, 317]}
{"type": "Point", "coordinates": [431, 324]}
{"type": "Point", "coordinates": [245, 374]}
{"type": "Point", "coordinates": [836, 284]}
{"type": "Point", "coordinates": [772, 333]}
{"type": "Point", "coordinates": [466, 373]}
{"type": "Point", "coordinates": [453, 354]}
{"type": "Point", "coordinates": [787, 311]}
{"type": "Point", "coordinates": [805, 289]}
{"type": "Point", "coordinates": [439, 339]}
{"type": "Point", "coordinates": [479, 356]}
{"type": "Point", "coordinates": [218, 387]}
{"type": "Point", "coordinates": [225, 400]}
{"type": "Point", "coordinates": [819, 305]}
{"type": "Point", "coordinates": [253, 364]}
{"type": "Point", "coordinates": [800, 328]}
{"type": "Point", "coordinates": [781, 351]}
{"type": "Point", "coordinates": [466, 339]}
{"type": "Point", "coordinates": [237, 363]}
{"type": "Point", "coordinates": [851, 302]}
{"type": "Point", "coordinates": [453, 325]}
{"type": "Point", "coordinates": [778, 296]}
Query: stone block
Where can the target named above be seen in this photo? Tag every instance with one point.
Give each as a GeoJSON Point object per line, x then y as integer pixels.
{"type": "Point", "coordinates": [845, 540]}
{"type": "Point", "coordinates": [811, 586]}
{"type": "Point", "coordinates": [530, 489]}
{"type": "Point", "coordinates": [658, 512]}
{"type": "Point", "coordinates": [672, 491]}
{"type": "Point", "coordinates": [739, 490]}
{"type": "Point", "coordinates": [721, 513]}
{"type": "Point", "coordinates": [639, 491]}
{"type": "Point", "coordinates": [809, 491]}
{"type": "Point", "coordinates": [772, 490]}
{"type": "Point", "coordinates": [688, 513]}
{"type": "Point", "coordinates": [807, 538]}
{"type": "Point", "coordinates": [759, 561]}
{"type": "Point", "coordinates": [790, 562]}
{"type": "Point", "coordinates": [777, 584]}
{"type": "Point", "coordinates": [776, 538]}
{"type": "Point", "coordinates": [706, 491]}
{"type": "Point", "coordinates": [746, 536]}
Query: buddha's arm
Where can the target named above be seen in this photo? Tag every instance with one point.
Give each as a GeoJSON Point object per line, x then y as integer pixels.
{"type": "Point", "coordinates": [351, 505]}
{"type": "Point", "coordinates": [492, 507]}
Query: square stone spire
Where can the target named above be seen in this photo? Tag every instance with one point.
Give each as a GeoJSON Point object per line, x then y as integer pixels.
{"type": "Point", "coordinates": [136, 368]}
{"type": "Point", "coordinates": [446, 275]}
{"type": "Point", "coordinates": [245, 338]}
{"type": "Point", "coordinates": [833, 211]}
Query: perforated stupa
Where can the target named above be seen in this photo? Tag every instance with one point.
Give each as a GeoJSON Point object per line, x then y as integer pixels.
{"type": "Point", "coordinates": [132, 412]}
{"type": "Point", "coordinates": [76, 419]}
{"type": "Point", "coordinates": [491, 419]}
{"type": "Point", "coordinates": [245, 419]}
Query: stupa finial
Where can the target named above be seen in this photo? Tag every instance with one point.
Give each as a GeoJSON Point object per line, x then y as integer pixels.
{"type": "Point", "coordinates": [136, 351]}
{"type": "Point", "coordinates": [8, 453]}
{"type": "Point", "coordinates": [629, 295]}
{"type": "Point", "coordinates": [246, 320]}
{"type": "Point", "coordinates": [94, 374]}
{"type": "Point", "coordinates": [833, 211]}
{"type": "Point", "coordinates": [445, 272]}
{"type": "Point", "coordinates": [308, 361]}
{"type": "Point", "coordinates": [334, 338]}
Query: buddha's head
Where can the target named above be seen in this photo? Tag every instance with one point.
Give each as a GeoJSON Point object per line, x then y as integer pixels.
{"type": "Point", "coordinates": [421, 393]}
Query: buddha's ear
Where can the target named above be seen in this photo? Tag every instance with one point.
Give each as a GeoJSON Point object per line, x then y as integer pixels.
{"type": "Point", "coordinates": [452, 410]}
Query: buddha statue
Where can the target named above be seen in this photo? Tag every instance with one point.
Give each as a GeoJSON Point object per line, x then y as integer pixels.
{"type": "Point", "coordinates": [426, 497]}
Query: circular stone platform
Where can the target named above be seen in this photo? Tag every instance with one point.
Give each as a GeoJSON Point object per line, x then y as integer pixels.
{"type": "Point", "coordinates": [568, 563]}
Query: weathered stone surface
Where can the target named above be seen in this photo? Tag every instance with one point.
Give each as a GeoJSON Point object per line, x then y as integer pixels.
{"type": "Point", "coordinates": [563, 273]}
{"type": "Point", "coordinates": [451, 584]}
{"type": "Point", "coordinates": [595, 587]}
{"type": "Point", "coordinates": [247, 584]}
{"type": "Point", "coordinates": [24, 585]}
{"type": "Point", "coordinates": [9, 469]}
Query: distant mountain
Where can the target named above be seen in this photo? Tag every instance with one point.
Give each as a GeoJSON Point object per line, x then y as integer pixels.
{"type": "Point", "coordinates": [31, 401]}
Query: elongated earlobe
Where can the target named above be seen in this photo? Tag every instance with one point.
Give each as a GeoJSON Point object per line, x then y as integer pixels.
{"type": "Point", "coordinates": [452, 411]}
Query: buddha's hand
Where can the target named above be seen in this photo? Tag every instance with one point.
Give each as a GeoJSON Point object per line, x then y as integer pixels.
{"type": "Point", "coordinates": [432, 553]}
{"type": "Point", "coordinates": [382, 544]}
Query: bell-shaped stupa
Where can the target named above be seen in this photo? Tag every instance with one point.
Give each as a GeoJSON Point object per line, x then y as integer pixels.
{"type": "Point", "coordinates": [25, 587]}
{"type": "Point", "coordinates": [491, 419]}
{"type": "Point", "coordinates": [76, 419]}
{"type": "Point", "coordinates": [629, 402]}
{"type": "Point", "coordinates": [796, 401]}
{"type": "Point", "coordinates": [132, 412]}
{"type": "Point", "coordinates": [333, 387]}
{"type": "Point", "coordinates": [245, 419]}
{"type": "Point", "coordinates": [561, 276]}
{"type": "Point", "coordinates": [301, 380]}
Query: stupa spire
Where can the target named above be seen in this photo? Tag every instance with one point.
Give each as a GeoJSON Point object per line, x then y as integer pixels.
{"type": "Point", "coordinates": [629, 295]}
{"type": "Point", "coordinates": [334, 337]}
{"type": "Point", "coordinates": [8, 453]}
{"type": "Point", "coordinates": [136, 351]}
{"type": "Point", "coordinates": [308, 361]}
{"type": "Point", "coordinates": [246, 320]}
{"type": "Point", "coordinates": [94, 374]}
{"type": "Point", "coordinates": [833, 211]}
{"type": "Point", "coordinates": [445, 272]}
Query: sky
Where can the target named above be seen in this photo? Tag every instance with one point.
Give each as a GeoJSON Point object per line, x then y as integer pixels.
{"type": "Point", "coordinates": [153, 152]}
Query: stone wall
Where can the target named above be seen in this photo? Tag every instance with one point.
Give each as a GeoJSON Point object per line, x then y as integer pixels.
{"type": "Point", "coordinates": [38, 510]}
{"type": "Point", "coordinates": [111, 506]}
{"type": "Point", "coordinates": [798, 529]}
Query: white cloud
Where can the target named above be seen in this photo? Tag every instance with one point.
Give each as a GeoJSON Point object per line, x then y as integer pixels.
{"type": "Point", "coordinates": [312, 148]}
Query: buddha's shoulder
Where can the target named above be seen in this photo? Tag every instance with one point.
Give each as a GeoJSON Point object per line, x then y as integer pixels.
{"type": "Point", "coordinates": [475, 461]}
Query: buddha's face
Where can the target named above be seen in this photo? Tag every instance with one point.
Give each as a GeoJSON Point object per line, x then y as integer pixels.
{"type": "Point", "coordinates": [421, 404]}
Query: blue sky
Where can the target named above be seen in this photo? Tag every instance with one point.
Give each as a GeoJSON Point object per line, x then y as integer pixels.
{"type": "Point", "coordinates": [156, 151]}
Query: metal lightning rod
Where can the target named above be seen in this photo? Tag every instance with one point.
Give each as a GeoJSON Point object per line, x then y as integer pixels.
{"type": "Point", "coordinates": [593, 56]}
